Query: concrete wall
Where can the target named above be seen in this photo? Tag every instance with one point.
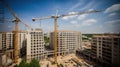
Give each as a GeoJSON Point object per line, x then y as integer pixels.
{"type": "Point", "coordinates": [67, 41]}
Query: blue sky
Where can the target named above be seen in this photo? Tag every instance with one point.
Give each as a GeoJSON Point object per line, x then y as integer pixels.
{"type": "Point", "coordinates": [106, 21]}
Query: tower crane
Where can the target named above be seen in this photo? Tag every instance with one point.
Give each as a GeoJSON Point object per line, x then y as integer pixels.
{"type": "Point", "coordinates": [16, 21]}
{"type": "Point", "coordinates": [55, 26]}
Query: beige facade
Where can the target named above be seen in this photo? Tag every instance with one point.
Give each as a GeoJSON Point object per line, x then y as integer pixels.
{"type": "Point", "coordinates": [106, 48]}
{"type": "Point", "coordinates": [67, 41]}
{"type": "Point", "coordinates": [35, 45]}
{"type": "Point", "coordinates": [7, 44]}
{"type": "Point", "coordinates": [7, 40]}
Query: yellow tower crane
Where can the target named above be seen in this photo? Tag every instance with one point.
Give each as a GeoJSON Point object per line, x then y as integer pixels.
{"type": "Point", "coordinates": [55, 26]}
{"type": "Point", "coordinates": [16, 21]}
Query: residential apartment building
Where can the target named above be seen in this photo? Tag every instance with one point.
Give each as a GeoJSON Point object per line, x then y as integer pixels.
{"type": "Point", "coordinates": [35, 45]}
{"type": "Point", "coordinates": [7, 44]}
{"type": "Point", "coordinates": [106, 49]}
{"type": "Point", "coordinates": [7, 41]}
{"type": "Point", "coordinates": [30, 43]}
{"type": "Point", "coordinates": [67, 41]}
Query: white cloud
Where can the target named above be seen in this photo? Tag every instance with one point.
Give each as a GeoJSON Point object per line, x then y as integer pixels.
{"type": "Point", "coordinates": [112, 14]}
{"type": "Point", "coordinates": [69, 17]}
{"type": "Point", "coordinates": [73, 22]}
{"type": "Point", "coordinates": [88, 22]}
{"type": "Point", "coordinates": [114, 22]}
{"type": "Point", "coordinates": [82, 16]}
{"type": "Point", "coordinates": [65, 18]}
{"type": "Point", "coordinates": [75, 6]}
{"type": "Point", "coordinates": [73, 15]}
{"type": "Point", "coordinates": [115, 7]}
{"type": "Point", "coordinates": [89, 5]}
{"type": "Point", "coordinates": [79, 17]}
{"type": "Point", "coordinates": [72, 12]}
{"type": "Point", "coordinates": [90, 9]}
{"type": "Point", "coordinates": [113, 25]}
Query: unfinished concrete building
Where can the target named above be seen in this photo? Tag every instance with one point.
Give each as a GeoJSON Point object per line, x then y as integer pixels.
{"type": "Point", "coordinates": [67, 41]}
{"type": "Point", "coordinates": [35, 45]}
{"type": "Point", "coordinates": [106, 49]}
{"type": "Point", "coordinates": [7, 43]}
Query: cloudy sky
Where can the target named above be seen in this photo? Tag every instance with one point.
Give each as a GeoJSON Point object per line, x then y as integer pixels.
{"type": "Point", "coordinates": [108, 20]}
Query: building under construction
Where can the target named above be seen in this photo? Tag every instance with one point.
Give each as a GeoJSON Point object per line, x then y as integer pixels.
{"type": "Point", "coordinates": [7, 45]}
{"type": "Point", "coordinates": [16, 35]}
{"type": "Point", "coordinates": [31, 43]}
{"type": "Point", "coordinates": [67, 41]}
{"type": "Point", "coordinates": [35, 45]}
{"type": "Point", "coordinates": [106, 49]}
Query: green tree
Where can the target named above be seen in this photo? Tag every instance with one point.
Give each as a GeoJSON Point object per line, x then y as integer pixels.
{"type": "Point", "coordinates": [16, 66]}
{"type": "Point", "coordinates": [34, 63]}
{"type": "Point", "coordinates": [46, 39]}
{"type": "Point", "coordinates": [22, 63]}
{"type": "Point", "coordinates": [27, 65]}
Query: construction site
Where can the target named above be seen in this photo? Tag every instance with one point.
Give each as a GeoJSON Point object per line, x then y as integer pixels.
{"type": "Point", "coordinates": [17, 44]}
{"type": "Point", "coordinates": [14, 53]}
{"type": "Point", "coordinates": [59, 53]}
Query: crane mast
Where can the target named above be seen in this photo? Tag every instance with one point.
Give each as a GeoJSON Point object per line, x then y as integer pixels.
{"type": "Point", "coordinates": [55, 26]}
{"type": "Point", "coordinates": [16, 21]}
{"type": "Point", "coordinates": [55, 39]}
{"type": "Point", "coordinates": [16, 42]}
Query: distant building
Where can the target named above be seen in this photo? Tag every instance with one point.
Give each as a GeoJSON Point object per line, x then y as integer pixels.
{"type": "Point", "coordinates": [106, 49]}
{"type": "Point", "coordinates": [86, 44]}
{"type": "Point", "coordinates": [67, 41]}
{"type": "Point", "coordinates": [35, 45]}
